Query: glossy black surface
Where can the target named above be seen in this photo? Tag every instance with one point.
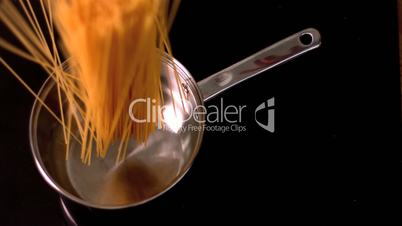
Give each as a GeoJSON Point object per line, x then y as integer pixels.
{"type": "Point", "coordinates": [335, 155]}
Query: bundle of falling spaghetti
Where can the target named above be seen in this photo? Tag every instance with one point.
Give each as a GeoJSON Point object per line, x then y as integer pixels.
{"type": "Point", "coordinates": [114, 50]}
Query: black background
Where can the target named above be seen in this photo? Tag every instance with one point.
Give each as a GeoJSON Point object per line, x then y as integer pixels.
{"type": "Point", "coordinates": [335, 156]}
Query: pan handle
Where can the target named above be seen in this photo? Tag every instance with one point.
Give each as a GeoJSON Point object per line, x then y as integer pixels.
{"type": "Point", "coordinates": [261, 61]}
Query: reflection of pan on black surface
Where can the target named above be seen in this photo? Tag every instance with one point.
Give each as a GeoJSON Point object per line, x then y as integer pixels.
{"type": "Point", "coordinates": [151, 169]}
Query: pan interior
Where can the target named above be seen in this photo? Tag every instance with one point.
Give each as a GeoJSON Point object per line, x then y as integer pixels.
{"type": "Point", "coordinates": [149, 169]}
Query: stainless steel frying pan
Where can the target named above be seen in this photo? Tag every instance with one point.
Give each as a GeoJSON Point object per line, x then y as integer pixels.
{"type": "Point", "coordinates": [150, 169]}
